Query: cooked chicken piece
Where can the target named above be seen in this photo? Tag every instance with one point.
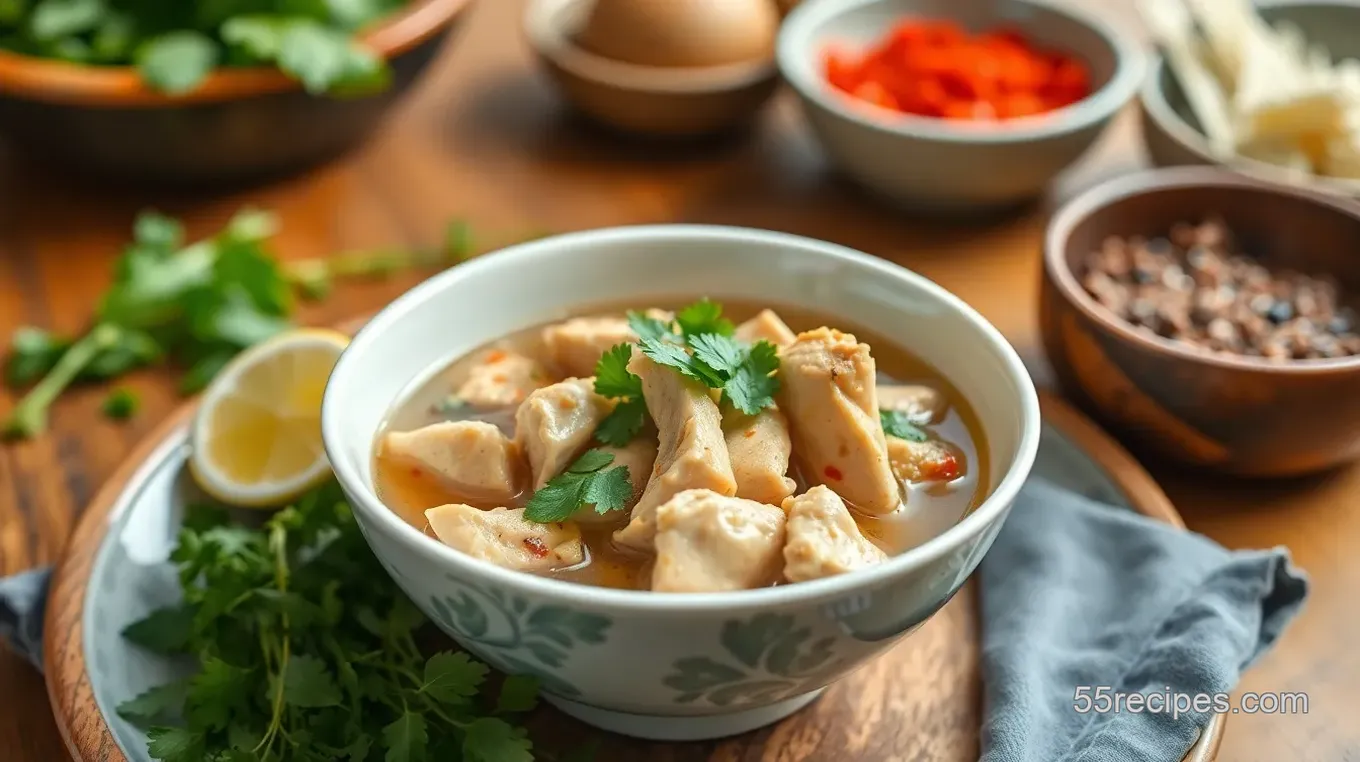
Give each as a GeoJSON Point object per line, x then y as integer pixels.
{"type": "Point", "coordinates": [638, 456]}
{"type": "Point", "coordinates": [575, 346]}
{"type": "Point", "coordinates": [768, 326]}
{"type": "Point", "coordinates": [758, 447]}
{"type": "Point", "coordinates": [926, 461]}
{"type": "Point", "coordinates": [472, 459]}
{"type": "Point", "coordinates": [503, 537]}
{"type": "Point", "coordinates": [828, 394]}
{"type": "Point", "coordinates": [709, 543]}
{"type": "Point", "coordinates": [691, 453]}
{"type": "Point", "coordinates": [501, 379]}
{"type": "Point", "coordinates": [922, 403]}
{"type": "Point", "coordinates": [823, 538]}
{"type": "Point", "coordinates": [556, 423]}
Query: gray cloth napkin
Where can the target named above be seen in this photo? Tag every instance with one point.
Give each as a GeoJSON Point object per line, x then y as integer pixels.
{"type": "Point", "coordinates": [1074, 593]}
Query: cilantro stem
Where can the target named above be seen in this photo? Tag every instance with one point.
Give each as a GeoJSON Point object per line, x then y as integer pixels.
{"type": "Point", "coordinates": [29, 417]}
{"type": "Point", "coordinates": [278, 543]}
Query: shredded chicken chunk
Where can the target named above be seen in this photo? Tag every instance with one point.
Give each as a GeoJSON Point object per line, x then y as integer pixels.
{"type": "Point", "coordinates": [828, 393]}
{"type": "Point", "coordinates": [691, 452]}
{"type": "Point", "coordinates": [924, 461]}
{"type": "Point", "coordinates": [638, 456]}
{"type": "Point", "coordinates": [767, 326]}
{"type": "Point", "coordinates": [503, 537]}
{"type": "Point", "coordinates": [556, 423]}
{"type": "Point", "coordinates": [924, 404]}
{"type": "Point", "coordinates": [501, 379]}
{"type": "Point", "coordinates": [759, 447]}
{"type": "Point", "coordinates": [823, 538]}
{"type": "Point", "coordinates": [706, 542]}
{"type": "Point", "coordinates": [472, 459]}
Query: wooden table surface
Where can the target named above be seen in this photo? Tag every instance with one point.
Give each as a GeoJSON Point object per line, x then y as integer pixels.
{"type": "Point", "coordinates": [486, 140]}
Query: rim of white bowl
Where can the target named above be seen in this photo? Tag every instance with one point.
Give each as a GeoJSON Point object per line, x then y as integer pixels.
{"type": "Point", "coordinates": [798, 65]}
{"type": "Point", "coordinates": [524, 255]}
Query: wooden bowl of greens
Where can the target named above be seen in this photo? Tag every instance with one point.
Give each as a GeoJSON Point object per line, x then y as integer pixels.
{"type": "Point", "coordinates": [203, 91]}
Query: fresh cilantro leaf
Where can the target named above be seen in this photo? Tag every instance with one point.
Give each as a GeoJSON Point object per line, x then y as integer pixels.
{"type": "Point", "coordinates": [609, 490]}
{"type": "Point", "coordinates": [54, 19]}
{"type": "Point", "coordinates": [519, 693]}
{"type": "Point", "coordinates": [177, 62]}
{"type": "Point", "coordinates": [157, 231]}
{"type": "Point", "coordinates": [489, 739]}
{"type": "Point", "coordinates": [323, 59]}
{"type": "Point", "coordinates": [113, 41]}
{"type": "Point", "coordinates": [612, 377]}
{"type": "Point", "coordinates": [675, 356]}
{"type": "Point", "coordinates": [704, 316]}
{"type": "Point", "coordinates": [897, 423]}
{"type": "Point", "coordinates": [156, 704]}
{"type": "Point", "coordinates": [721, 353]}
{"type": "Point", "coordinates": [205, 369]}
{"type": "Point", "coordinates": [590, 461]}
{"type": "Point", "coordinates": [452, 678]}
{"type": "Point", "coordinates": [307, 683]}
{"type": "Point", "coordinates": [166, 630]}
{"type": "Point", "coordinates": [216, 692]}
{"type": "Point", "coordinates": [556, 501]}
{"type": "Point", "coordinates": [754, 384]}
{"type": "Point", "coordinates": [33, 352]}
{"type": "Point", "coordinates": [406, 738]}
{"type": "Point", "coordinates": [258, 36]}
{"type": "Point", "coordinates": [623, 423]}
{"type": "Point", "coordinates": [132, 349]}
{"type": "Point", "coordinates": [175, 745]}
{"type": "Point", "coordinates": [651, 329]}
{"type": "Point", "coordinates": [121, 404]}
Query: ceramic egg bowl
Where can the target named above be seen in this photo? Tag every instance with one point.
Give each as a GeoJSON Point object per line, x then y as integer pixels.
{"type": "Point", "coordinates": [1239, 415]}
{"type": "Point", "coordinates": [638, 662]}
{"type": "Point", "coordinates": [657, 101]}
{"type": "Point", "coordinates": [1173, 134]}
{"type": "Point", "coordinates": [936, 164]}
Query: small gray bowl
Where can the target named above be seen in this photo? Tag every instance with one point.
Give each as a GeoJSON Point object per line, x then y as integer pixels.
{"type": "Point", "coordinates": [1174, 136]}
{"type": "Point", "coordinates": [934, 164]}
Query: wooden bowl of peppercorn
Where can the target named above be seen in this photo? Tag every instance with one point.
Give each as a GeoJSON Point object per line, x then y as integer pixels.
{"type": "Point", "coordinates": [1210, 318]}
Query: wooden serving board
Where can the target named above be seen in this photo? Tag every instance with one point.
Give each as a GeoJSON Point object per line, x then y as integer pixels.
{"type": "Point", "coordinates": [921, 701]}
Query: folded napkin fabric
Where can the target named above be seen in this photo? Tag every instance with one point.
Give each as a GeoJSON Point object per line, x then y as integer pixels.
{"type": "Point", "coordinates": [1080, 595]}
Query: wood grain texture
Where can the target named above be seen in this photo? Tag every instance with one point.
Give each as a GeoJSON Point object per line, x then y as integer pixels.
{"type": "Point", "coordinates": [920, 701]}
{"type": "Point", "coordinates": [483, 138]}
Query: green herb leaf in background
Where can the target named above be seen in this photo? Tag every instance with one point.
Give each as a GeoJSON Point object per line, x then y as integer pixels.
{"type": "Point", "coordinates": [120, 405]}
{"type": "Point", "coordinates": [177, 62]}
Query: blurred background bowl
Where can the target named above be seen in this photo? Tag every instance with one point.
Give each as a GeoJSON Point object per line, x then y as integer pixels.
{"type": "Point", "coordinates": [926, 163]}
{"type": "Point", "coordinates": [1240, 415]}
{"type": "Point", "coordinates": [1172, 133]}
{"type": "Point", "coordinates": [239, 125]}
{"type": "Point", "coordinates": [669, 102]}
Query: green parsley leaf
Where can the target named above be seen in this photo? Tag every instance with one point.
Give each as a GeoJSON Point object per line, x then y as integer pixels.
{"type": "Point", "coordinates": [156, 704]}
{"type": "Point", "coordinates": [121, 404]}
{"type": "Point", "coordinates": [612, 377]}
{"type": "Point", "coordinates": [651, 329]}
{"type": "Point", "coordinates": [897, 423]}
{"type": "Point", "coordinates": [556, 501]}
{"type": "Point", "coordinates": [258, 36]}
{"type": "Point", "coordinates": [452, 678]}
{"type": "Point", "coordinates": [406, 738]}
{"type": "Point", "coordinates": [584, 482]}
{"type": "Point", "coordinates": [675, 356]}
{"type": "Point", "coordinates": [590, 462]}
{"type": "Point", "coordinates": [610, 491]}
{"type": "Point", "coordinates": [323, 59]}
{"type": "Point", "coordinates": [704, 316]}
{"type": "Point", "coordinates": [177, 62]}
{"type": "Point", "coordinates": [489, 739]}
{"type": "Point", "coordinates": [216, 692]}
{"type": "Point", "coordinates": [166, 630]}
{"type": "Point", "coordinates": [519, 693]}
{"type": "Point", "coordinates": [33, 352]}
{"type": "Point", "coordinates": [175, 745]}
{"type": "Point", "coordinates": [54, 19]}
{"type": "Point", "coordinates": [754, 384]}
{"type": "Point", "coordinates": [623, 423]}
{"type": "Point", "coordinates": [307, 683]}
{"type": "Point", "coordinates": [718, 352]}
{"type": "Point", "coordinates": [157, 231]}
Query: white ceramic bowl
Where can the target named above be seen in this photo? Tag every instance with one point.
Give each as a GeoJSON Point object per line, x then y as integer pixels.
{"type": "Point", "coordinates": [924, 163]}
{"type": "Point", "coordinates": [676, 666]}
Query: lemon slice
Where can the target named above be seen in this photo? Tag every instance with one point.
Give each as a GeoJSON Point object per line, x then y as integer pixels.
{"type": "Point", "coordinates": [257, 436]}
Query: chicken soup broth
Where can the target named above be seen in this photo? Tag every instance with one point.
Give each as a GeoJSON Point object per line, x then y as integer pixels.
{"type": "Point", "coordinates": [512, 452]}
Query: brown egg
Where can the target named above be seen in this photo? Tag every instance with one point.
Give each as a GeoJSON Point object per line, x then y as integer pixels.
{"type": "Point", "coordinates": [681, 32]}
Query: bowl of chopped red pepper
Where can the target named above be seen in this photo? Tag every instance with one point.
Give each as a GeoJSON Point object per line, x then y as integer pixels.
{"type": "Point", "coordinates": [956, 104]}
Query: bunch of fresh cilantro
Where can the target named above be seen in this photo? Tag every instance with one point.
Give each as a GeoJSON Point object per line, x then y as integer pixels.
{"type": "Point", "coordinates": [307, 651]}
{"type": "Point", "coordinates": [175, 43]}
{"type": "Point", "coordinates": [198, 304]}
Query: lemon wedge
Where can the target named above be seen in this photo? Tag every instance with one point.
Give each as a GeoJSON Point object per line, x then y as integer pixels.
{"type": "Point", "coordinates": [256, 439]}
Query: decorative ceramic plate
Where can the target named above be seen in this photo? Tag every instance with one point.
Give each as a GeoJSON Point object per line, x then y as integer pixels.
{"type": "Point", "coordinates": [921, 701]}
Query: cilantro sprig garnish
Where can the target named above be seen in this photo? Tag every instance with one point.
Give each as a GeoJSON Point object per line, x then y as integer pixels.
{"type": "Point", "coordinates": [613, 380]}
{"type": "Point", "coordinates": [585, 483]}
{"type": "Point", "coordinates": [307, 651]}
{"type": "Point", "coordinates": [897, 423]}
{"type": "Point", "coordinates": [197, 305]}
{"type": "Point", "coordinates": [704, 350]}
